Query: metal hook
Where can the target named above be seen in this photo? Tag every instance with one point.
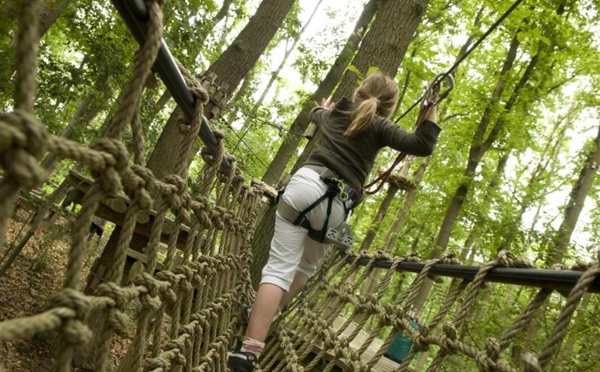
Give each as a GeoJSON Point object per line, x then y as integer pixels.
{"type": "Point", "coordinates": [433, 94]}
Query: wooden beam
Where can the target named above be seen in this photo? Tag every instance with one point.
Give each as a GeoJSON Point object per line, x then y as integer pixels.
{"type": "Point", "coordinates": [113, 208]}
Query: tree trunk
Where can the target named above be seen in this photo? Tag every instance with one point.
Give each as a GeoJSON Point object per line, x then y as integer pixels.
{"type": "Point", "coordinates": [479, 146]}
{"type": "Point", "coordinates": [275, 74]}
{"type": "Point", "coordinates": [573, 337]}
{"type": "Point", "coordinates": [50, 10]}
{"type": "Point", "coordinates": [381, 213]}
{"type": "Point", "coordinates": [484, 206]}
{"type": "Point", "coordinates": [230, 68]}
{"type": "Point", "coordinates": [373, 279]}
{"type": "Point", "coordinates": [261, 243]}
{"type": "Point", "coordinates": [85, 113]}
{"type": "Point", "coordinates": [392, 40]}
{"type": "Point", "coordinates": [48, 13]}
{"type": "Point", "coordinates": [233, 108]}
{"type": "Point", "coordinates": [547, 165]}
{"type": "Point", "coordinates": [579, 193]}
{"type": "Point", "coordinates": [393, 233]}
{"type": "Point", "coordinates": [384, 45]}
{"type": "Point", "coordinates": [223, 11]}
{"type": "Point", "coordinates": [166, 96]}
{"type": "Point", "coordinates": [37, 221]}
{"type": "Point", "coordinates": [476, 153]}
{"type": "Point", "coordinates": [290, 142]}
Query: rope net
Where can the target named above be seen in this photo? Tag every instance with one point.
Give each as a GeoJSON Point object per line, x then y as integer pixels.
{"type": "Point", "coordinates": [335, 323]}
{"type": "Point", "coordinates": [198, 300]}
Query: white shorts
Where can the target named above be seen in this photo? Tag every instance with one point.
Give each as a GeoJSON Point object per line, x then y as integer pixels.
{"type": "Point", "coordinates": [291, 248]}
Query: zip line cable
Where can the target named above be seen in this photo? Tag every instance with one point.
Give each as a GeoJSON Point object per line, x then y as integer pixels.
{"type": "Point", "coordinates": [265, 122]}
{"type": "Point", "coordinates": [436, 82]}
{"type": "Point", "coordinates": [243, 141]}
{"type": "Point", "coordinates": [467, 53]}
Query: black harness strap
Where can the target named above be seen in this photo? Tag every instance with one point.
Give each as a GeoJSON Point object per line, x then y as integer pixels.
{"type": "Point", "coordinates": [298, 218]}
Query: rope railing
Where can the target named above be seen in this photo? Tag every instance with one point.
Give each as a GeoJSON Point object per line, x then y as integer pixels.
{"type": "Point", "coordinates": [559, 280]}
{"type": "Point", "coordinates": [336, 324]}
{"type": "Point", "coordinates": [135, 15]}
{"type": "Point", "coordinates": [187, 315]}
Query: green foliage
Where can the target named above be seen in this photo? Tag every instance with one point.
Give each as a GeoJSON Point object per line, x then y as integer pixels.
{"type": "Point", "coordinates": [544, 126]}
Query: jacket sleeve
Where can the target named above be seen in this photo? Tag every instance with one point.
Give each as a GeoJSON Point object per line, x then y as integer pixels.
{"type": "Point", "coordinates": [318, 115]}
{"type": "Point", "coordinates": [420, 143]}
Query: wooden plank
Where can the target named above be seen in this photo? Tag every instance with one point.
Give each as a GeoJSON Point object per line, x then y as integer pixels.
{"type": "Point", "coordinates": [113, 208]}
{"type": "Point", "coordinates": [383, 365]}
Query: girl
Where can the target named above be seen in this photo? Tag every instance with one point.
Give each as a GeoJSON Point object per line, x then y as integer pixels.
{"type": "Point", "coordinates": [352, 134]}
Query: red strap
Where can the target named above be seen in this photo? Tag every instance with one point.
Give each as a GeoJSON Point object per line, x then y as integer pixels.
{"type": "Point", "coordinates": [384, 176]}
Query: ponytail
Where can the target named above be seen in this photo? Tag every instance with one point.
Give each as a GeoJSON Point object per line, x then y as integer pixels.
{"type": "Point", "coordinates": [362, 117]}
{"type": "Point", "coordinates": [376, 96]}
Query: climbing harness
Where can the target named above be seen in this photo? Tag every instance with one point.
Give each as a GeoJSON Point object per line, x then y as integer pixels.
{"type": "Point", "coordinates": [437, 90]}
{"type": "Point", "coordinates": [341, 234]}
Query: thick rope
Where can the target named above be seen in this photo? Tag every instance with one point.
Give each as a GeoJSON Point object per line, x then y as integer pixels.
{"type": "Point", "coordinates": [143, 65]}
{"type": "Point", "coordinates": [15, 158]}
{"type": "Point", "coordinates": [201, 296]}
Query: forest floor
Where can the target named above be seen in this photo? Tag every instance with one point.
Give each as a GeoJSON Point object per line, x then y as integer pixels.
{"type": "Point", "coordinates": [36, 274]}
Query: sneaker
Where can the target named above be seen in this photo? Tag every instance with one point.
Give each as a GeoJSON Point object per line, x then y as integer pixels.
{"type": "Point", "coordinates": [240, 361]}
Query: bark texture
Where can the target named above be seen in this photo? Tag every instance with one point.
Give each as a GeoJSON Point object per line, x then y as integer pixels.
{"type": "Point", "coordinates": [394, 27]}
{"type": "Point", "coordinates": [230, 68]}
{"type": "Point", "coordinates": [291, 142]}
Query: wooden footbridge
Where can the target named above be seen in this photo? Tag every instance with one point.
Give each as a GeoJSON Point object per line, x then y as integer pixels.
{"type": "Point", "coordinates": [188, 303]}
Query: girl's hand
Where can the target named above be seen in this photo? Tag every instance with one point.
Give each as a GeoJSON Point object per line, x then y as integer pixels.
{"type": "Point", "coordinates": [325, 103]}
{"type": "Point", "coordinates": [431, 113]}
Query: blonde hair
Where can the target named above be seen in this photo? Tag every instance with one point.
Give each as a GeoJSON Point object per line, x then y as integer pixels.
{"type": "Point", "coordinates": [376, 96]}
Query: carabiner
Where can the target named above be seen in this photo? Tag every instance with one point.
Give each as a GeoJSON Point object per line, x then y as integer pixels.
{"type": "Point", "coordinates": [433, 94]}
{"type": "Point", "coordinates": [343, 194]}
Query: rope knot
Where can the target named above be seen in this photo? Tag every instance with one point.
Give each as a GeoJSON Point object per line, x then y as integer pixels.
{"type": "Point", "coordinates": [219, 134]}
{"type": "Point", "coordinates": [136, 184]}
{"type": "Point", "coordinates": [216, 216]}
{"type": "Point", "coordinates": [449, 258]}
{"type": "Point", "coordinates": [448, 339]}
{"type": "Point", "coordinates": [505, 258]}
{"type": "Point", "coordinates": [532, 364]}
{"type": "Point", "coordinates": [169, 276]}
{"type": "Point", "coordinates": [201, 211]}
{"type": "Point", "coordinates": [487, 359]}
{"type": "Point", "coordinates": [149, 299]}
{"type": "Point", "coordinates": [71, 299]}
{"type": "Point", "coordinates": [229, 219]}
{"type": "Point", "coordinates": [411, 257]}
{"type": "Point", "coordinates": [75, 330]}
{"type": "Point", "coordinates": [116, 318]}
{"type": "Point", "coordinates": [114, 161]}
{"type": "Point", "coordinates": [199, 92]}
{"type": "Point", "coordinates": [381, 256]}
{"type": "Point", "coordinates": [225, 178]}
{"type": "Point", "coordinates": [508, 259]}
{"type": "Point", "coordinates": [186, 271]}
{"type": "Point", "coordinates": [175, 193]}
{"type": "Point", "coordinates": [23, 141]}
{"type": "Point", "coordinates": [420, 342]}
{"type": "Point", "coordinates": [580, 266]}
{"type": "Point", "coordinates": [146, 280]}
{"type": "Point", "coordinates": [158, 363]}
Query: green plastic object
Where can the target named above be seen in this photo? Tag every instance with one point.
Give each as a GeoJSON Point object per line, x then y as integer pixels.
{"type": "Point", "coordinates": [401, 345]}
